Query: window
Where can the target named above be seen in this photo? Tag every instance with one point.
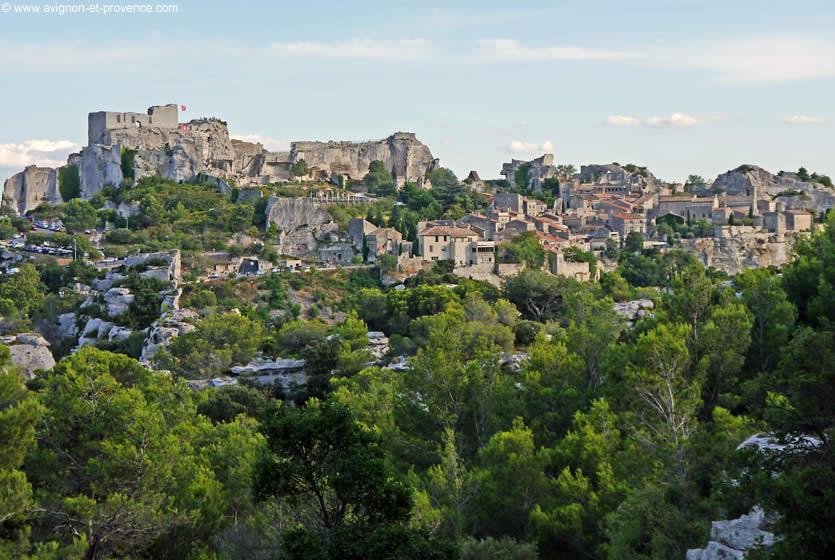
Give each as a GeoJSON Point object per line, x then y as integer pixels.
{"type": "Point", "coordinates": [118, 118]}
{"type": "Point", "coordinates": [436, 239]}
{"type": "Point", "coordinates": [431, 248]}
{"type": "Point", "coordinates": [132, 119]}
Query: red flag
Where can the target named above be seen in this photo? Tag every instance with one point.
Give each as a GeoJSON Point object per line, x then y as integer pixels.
{"type": "Point", "coordinates": [182, 107]}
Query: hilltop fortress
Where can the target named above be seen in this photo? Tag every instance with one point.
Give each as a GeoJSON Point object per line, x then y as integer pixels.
{"type": "Point", "coordinates": [160, 145]}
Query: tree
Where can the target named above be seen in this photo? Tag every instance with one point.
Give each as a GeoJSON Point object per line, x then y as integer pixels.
{"type": "Point", "coordinates": [689, 302]}
{"type": "Point", "coordinates": [524, 248]}
{"type": "Point", "coordinates": [128, 163]}
{"type": "Point", "coordinates": [219, 342]}
{"type": "Point", "coordinates": [299, 169]}
{"type": "Point", "coordinates": [127, 464]}
{"type": "Point", "coordinates": [725, 338]}
{"type": "Point", "coordinates": [324, 466]}
{"type": "Point", "coordinates": [522, 177]}
{"type": "Point", "coordinates": [773, 315]}
{"type": "Point", "coordinates": [511, 480]}
{"type": "Point", "coordinates": [538, 295]}
{"type": "Point", "coordinates": [69, 182]}
{"type": "Point", "coordinates": [78, 215]}
{"type": "Point", "coordinates": [667, 399]}
{"type": "Point", "coordinates": [21, 293]}
{"type": "Point", "coordinates": [634, 242]}
{"type": "Point", "coordinates": [19, 411]}
{"type": "Point", "coordinates": [442, 179]}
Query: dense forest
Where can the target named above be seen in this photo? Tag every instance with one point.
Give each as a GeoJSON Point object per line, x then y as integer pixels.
{"type": "Point", "coordinates": [610, 440]}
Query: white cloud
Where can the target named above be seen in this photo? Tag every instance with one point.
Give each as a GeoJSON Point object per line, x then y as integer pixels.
{"type": "Point", "coordinates": [677, 119]}
{"type": "Point", "coordinates": [520, 147]}
{"type": "Point", "coordinates": [510, 49]}
{"type": "Point", "coordinates": [269, 142]}
{"type": "Point", "coordinates": [622, 120]}
{"type": "Point", "coordinates": [803, 119]}
{"type": "Point", "coordinates": [50, 153]}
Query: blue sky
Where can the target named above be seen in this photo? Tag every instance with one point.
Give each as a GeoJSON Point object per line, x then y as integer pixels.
{"type": "Point", "coordinates": [680, 86]}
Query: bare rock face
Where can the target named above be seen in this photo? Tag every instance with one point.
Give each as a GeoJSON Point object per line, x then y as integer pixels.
{"type": "Point", "coordinates": [172, 324]}
{"type": "Point", "coordinates": [118, 301]}
{"type": "Point", "coordinates": [302, 223]}
{"type": "Point", "coordinates": [787, 188]}
{"type": "Point", "coordinates": [30, 352]}
{"type": "Point", "coordinates": [406, 158]}
{"type": "Point", "coordinates": [614, 173]}
{"type": "Point", "coordinates": [98, 166]}
{"type": "Point", "coordinates": [730, 539]}
{"type": "Point", "coordinates": [540, 169]}
{"type": "Point", "coordinates": [30, 188]}
{"type": "Point", "coordinates": [735, 253]}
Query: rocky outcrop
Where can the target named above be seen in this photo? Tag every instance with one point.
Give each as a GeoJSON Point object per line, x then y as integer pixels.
{"type": "Point", "coordinates": [30, 188]}
{"type": "Point", "coordinates": [302, 223]}
{"type": "Point", "coordinates": [117, 300]}
{"type": "Point", "coordinates": [614, 173]}
{"type": "Point", "coordinates": [747, 180]}
{"type": "Point", "coordinates": [539, 169]}
{"type": "Point", "coordinates": [97, 166]}
{"type": "Point", "coordinates": [738, 251]}
{"type": "Point", "coordinates": [731, 539]}
{"type": "Point", "coordinates": [634, 309]}
{"type": "Point", "coordinates": [406, 158]}
{"type": "Point", "coordinates": [30, 352]}
{"type": "Point", "coordinates": [170, 325]}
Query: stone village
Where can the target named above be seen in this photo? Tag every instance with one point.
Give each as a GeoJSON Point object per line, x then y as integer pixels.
{"type": "Point", "coordinates": [751, 216]}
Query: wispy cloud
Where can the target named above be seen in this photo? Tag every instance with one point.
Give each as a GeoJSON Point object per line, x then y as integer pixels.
{"type": "Point", "coordinates": [510, 49]}
{"type": "Point", "coordinates": [674, 120]}
{"type": "Point", "coordinates": [745, 59]}
{"type": "Point", "coordinates": [51, 153]}
{"type": "Point", "coordinates": [520, 147]}
{"type": "Point", "coordinates": [803, 119]}
{"type": "Point", "coordinates": [622, 120]}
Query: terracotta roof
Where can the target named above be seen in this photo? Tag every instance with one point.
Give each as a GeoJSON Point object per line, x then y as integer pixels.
{"type": "Point", "coordinates": [450, 231]}
{"type": "Point", "coordinates": [621, 216]}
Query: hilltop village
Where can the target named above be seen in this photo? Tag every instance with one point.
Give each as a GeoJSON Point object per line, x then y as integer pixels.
{"type": "Point", "coordinates": [343, 350]}
{"type": "Point", "coordinates": [746, 217]}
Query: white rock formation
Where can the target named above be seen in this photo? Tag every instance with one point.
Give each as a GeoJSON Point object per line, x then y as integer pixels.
{"type": "Point", "coordinates": [172, 324]}
{"type": "Point", "coordinates": [540, 169]}
{"type": "Point", "coordinates": [30, 188]}
{"type": "Point", "coordinates": [302, 223]}
{"type": "Point", "coordinates": [118, 301]}
{"type": "Point", "coordinates": [786, 188]}
{"type": "Point", "coordinates": [30, 351]}
{"type": "Point", "coordinates": [730, 539]}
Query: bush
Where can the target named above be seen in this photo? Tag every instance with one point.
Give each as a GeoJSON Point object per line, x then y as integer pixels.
{"type": "Point", "coordinates": [69, 182]}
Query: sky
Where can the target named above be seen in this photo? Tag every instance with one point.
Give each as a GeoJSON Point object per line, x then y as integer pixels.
{"type": "Point", "coordinates": [679, 86]}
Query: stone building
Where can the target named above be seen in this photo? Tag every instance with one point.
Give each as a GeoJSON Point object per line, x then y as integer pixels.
{"type": "Point", "coordinates": [386, 241]}
{"type": "Point", "coordinates": [461, 245]}
{"type": "Point", "coordinates": [157, 116]}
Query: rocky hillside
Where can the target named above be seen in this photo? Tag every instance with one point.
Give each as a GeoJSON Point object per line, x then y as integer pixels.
{"type": "Point", "coordinates": [787, 188]}
{"type": "Point", "coordinates": [30, 188]}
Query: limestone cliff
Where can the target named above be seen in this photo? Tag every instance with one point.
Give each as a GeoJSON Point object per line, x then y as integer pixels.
{"type": "Point", "coordinates": [302, 223]}
{"type": "Point", "coordinates": [407, 158]}
{"type": "Point", "coordinates": [540, 169]}
{"type": "Point", "coordinates": [30, 188]}
{"type": "Point", "coordinates": [738, 251]}
{"type": "Point", "coordinates": [786, 188]}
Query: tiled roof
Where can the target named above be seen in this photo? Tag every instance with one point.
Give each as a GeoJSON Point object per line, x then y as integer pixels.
{"type": "Point", "coordinates": [449, 231]}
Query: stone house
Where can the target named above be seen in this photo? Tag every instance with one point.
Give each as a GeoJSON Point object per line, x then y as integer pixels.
{"type": "Point", "coordinates": [461, 245]}
{"type": "Point", "coordinates": [386, 241]}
